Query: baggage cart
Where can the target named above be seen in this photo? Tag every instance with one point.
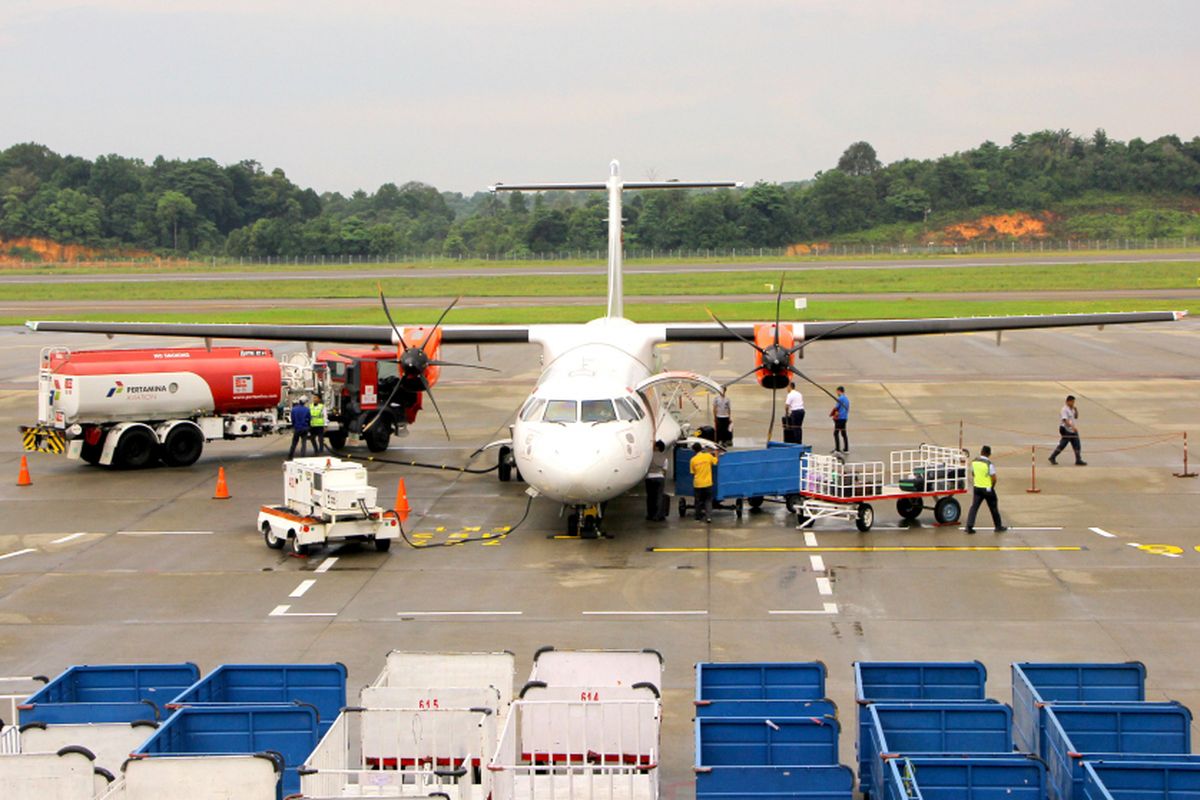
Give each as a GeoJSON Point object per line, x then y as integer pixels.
{"type": "Point", "coordinates": [753, 742]}
{"type": "Point", "coordinates": [966, 778]}
{"type": "Point", "coordinates": [764, 709]}
{"type": "Point", "coordinates": [1131, 731]}
{"type": "Point", "coordinates": [908, 682]}
{"type": "Point", "coordinates": [1140, 780]}
{"type": "Point", "coordinates": [110, 743]}
{"type": "Point", "coordinates": [926, 477]}
{"type": "Point", "coordinates": [763, 680]}
{"type": "Point", "coordinates": [775, 783]}
{"type": "Point", "coordinates": [1035, 685]}
{"type": "Point", "coordinates": [745, 477]}
{"type": "Point", "coordinates": [108, 693]}
{"type": "Point", "coordinates": [68, 774]}
{"type": "Point", "coordinates": [927, 729]}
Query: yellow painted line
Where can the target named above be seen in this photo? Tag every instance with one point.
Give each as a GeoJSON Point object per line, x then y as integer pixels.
{"type": "Point", "coordinates": [896, 549]}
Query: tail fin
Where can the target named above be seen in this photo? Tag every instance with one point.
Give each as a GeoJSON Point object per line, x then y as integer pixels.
{"type": "Point", "coordinates": [616, 245]}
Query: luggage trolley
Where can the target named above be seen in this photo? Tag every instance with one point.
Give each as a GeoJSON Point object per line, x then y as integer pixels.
{"type": "Point", "coordinates": [747, 477]}
{"type": "Point", "coordinates": [834, 489]}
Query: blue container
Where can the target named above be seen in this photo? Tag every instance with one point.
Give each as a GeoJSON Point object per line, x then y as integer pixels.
{"type": "Point", "coordinates": [907, 682]}
{"type": "Point", "coordinates": [806, 783]}
{"type": "Point", "coordinates": [1078, 733]}
{"type": "Point", "coordinates": [322, 686]}
{"type": "Point", "coordinates": [763, 709]}
{"type": "Point", "coordinates": [290, 731]}
{"type": "Point", "coordinates": [773, 471]}
{"type": "Point", "coordinates": [1035, 684]}
{"type": "Point", "coordinates": [1141, 780]}
{"type": "Point", "coordinates": [751, 742]}
{"type": "Point", "coordinates": [971, 778]}
{"type": "Point", "coordinates": [760, 681]}
{"type": "Point", "coordinates": [108, 693]}
{"type": "Point", "coordinates": [918, 729]}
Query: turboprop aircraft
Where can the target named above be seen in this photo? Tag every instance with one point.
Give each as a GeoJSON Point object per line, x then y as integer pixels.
{"type": "Point", "coordinates": [587, 430]}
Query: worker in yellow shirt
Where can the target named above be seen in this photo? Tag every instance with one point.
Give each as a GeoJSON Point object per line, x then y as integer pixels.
{"type": "Point", "coordinates": [983, 476]}
{"type": "Point", "coordinates": [701, 466]}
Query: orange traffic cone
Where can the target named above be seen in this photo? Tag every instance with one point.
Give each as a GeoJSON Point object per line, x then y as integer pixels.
{"type": "Point", "coordinates": [402, 508]}
{"type": "Point", "coordinates": [23, 474]}
{"type": "Point", "coordinates": [222, 492]}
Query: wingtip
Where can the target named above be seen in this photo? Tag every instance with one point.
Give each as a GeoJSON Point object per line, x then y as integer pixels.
{"type": "Point", "coordinates": [1178, 314]}
{"type": "Point", "coordinates": [31, 325]}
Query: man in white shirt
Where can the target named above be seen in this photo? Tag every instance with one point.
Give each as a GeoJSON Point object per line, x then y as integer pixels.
{"type": "Point", "coordinates": [793, 426]}
{"type": "Point", "coordinates": [656, 482]}
{"type": "Point", "coordinates": [1069, 432]}
{"type": "Point", "coordinates": [723, 419]}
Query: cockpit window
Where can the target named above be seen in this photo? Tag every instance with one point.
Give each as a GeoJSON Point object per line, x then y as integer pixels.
{"type": "Point", "coordinates": [598, 411]}
{"type": "Point", "coordinates": [627, 409]}
{"type": "Point", "coordinates": [533, 407]}
{"type": "Point", "coordinates": [560, 411]}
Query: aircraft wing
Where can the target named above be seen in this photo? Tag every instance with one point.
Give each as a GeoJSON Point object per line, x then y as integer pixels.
{"type": "Point", "coordinates": [712, 332]}
{"type": "Point", "coordinates": [339, 334]}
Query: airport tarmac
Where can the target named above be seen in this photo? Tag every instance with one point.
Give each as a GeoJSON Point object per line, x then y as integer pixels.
{"type": "Point", "coordinates": [1101, 565]}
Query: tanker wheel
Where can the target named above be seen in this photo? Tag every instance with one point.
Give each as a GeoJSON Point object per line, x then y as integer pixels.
{"type": "Point", "coordinates": [379, 436]}
{"type": "Point", "coordinates": [336, 439]}
{"type": "Point", "coordinates": [273, 541]}
{"type": "Point", "coordinates": [91, 452]}
{"type": "Point", "coordinates": [909, 507]}
{"type": "Point", "coordinates": [183, 446]}
{"type": "Point", "coordinates": [135, 449]}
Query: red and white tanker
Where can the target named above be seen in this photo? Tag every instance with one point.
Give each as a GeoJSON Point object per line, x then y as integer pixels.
{"type": "Point", "coordinates": [126, 408]}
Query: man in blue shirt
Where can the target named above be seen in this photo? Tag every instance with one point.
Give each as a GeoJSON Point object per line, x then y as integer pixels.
{"type": "Point", "coordinates": [301, 423]}
{"type": "Point", "coordinates": [840, 414]}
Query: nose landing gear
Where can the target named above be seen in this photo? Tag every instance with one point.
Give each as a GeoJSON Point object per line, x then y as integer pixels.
{"type": "Point", "coordinates": [584, 522]}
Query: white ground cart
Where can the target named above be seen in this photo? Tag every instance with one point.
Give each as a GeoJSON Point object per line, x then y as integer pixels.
{"type": "Point", "coordinates": [927, 477]}
{"type": "Point", "coordinates": [326, 499]}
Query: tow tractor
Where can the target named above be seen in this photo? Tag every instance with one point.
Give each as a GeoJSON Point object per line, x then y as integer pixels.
{"type": "Point", "coordinates": [326, 499]}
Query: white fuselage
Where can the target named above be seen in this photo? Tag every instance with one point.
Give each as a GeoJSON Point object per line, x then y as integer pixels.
{"type": "Point", "coordinates": [585, 435]}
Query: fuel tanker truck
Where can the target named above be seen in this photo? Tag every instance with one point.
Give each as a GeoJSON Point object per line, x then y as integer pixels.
{"type": "Point", "coordinates": [130, 408]}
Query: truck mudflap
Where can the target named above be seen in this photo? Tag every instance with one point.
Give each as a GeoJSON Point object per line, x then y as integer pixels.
{"type": "Point", "coordinates": [43, 439]}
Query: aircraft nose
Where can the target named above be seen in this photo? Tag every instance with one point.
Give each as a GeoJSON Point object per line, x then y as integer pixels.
{"type": "Point", "coordinates": [584, 466]}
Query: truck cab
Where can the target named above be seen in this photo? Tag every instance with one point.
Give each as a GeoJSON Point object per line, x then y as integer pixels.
{"type": "Point", "coordinates": [365, 399]}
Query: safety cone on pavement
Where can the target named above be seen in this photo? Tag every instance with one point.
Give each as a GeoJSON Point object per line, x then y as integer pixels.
{"type": "Point", "coordinates": [222, 492]}
{"type": "Point", "coordinates": [23, 474]}
{"type": "Point", "coordinates": [402, 507]}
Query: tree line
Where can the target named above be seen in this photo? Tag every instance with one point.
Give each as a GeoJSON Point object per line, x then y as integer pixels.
{"type": "Point", "coordinates": [198, 206]}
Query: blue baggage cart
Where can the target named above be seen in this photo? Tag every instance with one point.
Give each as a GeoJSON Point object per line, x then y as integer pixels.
{"type": "Point", "coordinates": [1074, 734]}
{"type": "Point", "coordinates": [760, 680]}
{"type": "Point", "coordinates": [906, 682]}
{"type": "Point", "coordinates": [966, 778]}
{"type": "Point", "coordinates": [745, 476]}
{"type": "Point", "coordinates": [323, 686]}
{"type": "Point", "coordinates": [752, 742]}
{"type": "Point", "coordinates": [1036, 684]}
{"type": "Point", "coordinates": [288, 731]}
{"type": "Point", "coordinates": [1141, 780]}
{"type": "Point", "coordinates": [108, 693]}
{"type": "Point", "coordinates": [762, 709]}
{"type": "Point", "coordinates": [775, 783]}
{"type": "Point", "coordinates": [920, 729]}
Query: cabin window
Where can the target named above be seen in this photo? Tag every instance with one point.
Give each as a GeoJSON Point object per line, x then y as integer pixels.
{"type": "Point", "coordinates": [533, 407]}
{"type": "Point", "coordinates": [561, 411]}
{"type": "Point", "coordinates": [597, 411]}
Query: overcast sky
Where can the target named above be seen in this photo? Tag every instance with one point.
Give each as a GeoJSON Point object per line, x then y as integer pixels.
{"type": "Point", "coordinates": [348, 94]}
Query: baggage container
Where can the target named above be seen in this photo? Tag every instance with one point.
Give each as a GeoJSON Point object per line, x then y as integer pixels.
{"type": "Point", "coordinates": [776, 783]}
{"type": "Point", "coordinates": [760, 681]}
{"type": "Point", "coordinates": [68, 774]}
{"type": "Point", "coordinates": [322, 686]}
{"type": "Point", "coordinates": [424, 670]}
{"type": "Point", "coordinates": [745, 475]}
{"type": "Point", "coordinates": [921, 729]}
{"type": "Point", "coordinates": [579, 750]}
{"type": "Point", "coordinates": [180, 752]}
{"type": "Point", "coordinates": [762, 709]}
{"type": "Point", "coordinates": [210, 777]}
{"type": "Point", "coordinates": [968, 778]}
{"type": "Point", "coordinates": [1077, 733]}
{"type": "Point", "coordinates": [108, 693]}
{"type": "Point", "coordinates": [906, 682]}
{"type": "Point", "coordinates": [1141, 780]}
{"type": "Point", "coordinates": [596, 670]}
{"type": "Point", "coordinates": [110, 743]}
{"type": "Point", "coordinates": [1036, 684]}
{"type": "Point", "coordinates": [753, 742]}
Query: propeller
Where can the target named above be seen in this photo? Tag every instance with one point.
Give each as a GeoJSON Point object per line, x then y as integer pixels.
{"type": "Point", "coordinates": [413, 362]}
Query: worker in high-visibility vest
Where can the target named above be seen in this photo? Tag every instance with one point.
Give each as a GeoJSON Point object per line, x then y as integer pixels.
{"type": "Point", "coordinates": [983, 477]}
{"type": "Point", "coordinates": [317, 424]}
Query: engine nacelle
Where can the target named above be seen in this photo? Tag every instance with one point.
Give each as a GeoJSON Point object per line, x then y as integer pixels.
{"type": "Point", "coordinates": [773, 358]}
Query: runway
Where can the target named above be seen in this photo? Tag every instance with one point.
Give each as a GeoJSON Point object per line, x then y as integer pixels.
{"type": "Point", "coordinates": [101, 566]}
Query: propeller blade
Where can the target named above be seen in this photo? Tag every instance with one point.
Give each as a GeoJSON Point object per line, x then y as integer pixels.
{"type": "Point", "coordinates": [439, 363]}
{"type": "Point", "coordinates": [441, 419]}
{"type": "Point", "coordinates": [453, 303]}
{"type": "Point", "coordinates": [741, 377]}
{"type": "Point", "coordinates": [732, 332]}
{"type": "Point", "coordinates": [807, 342]}
{"type": "Point", "coordinates": [386, 405]}
{"type": "Point", "coordinates": [795, 371]}
{"type": "Point", "coordinates": [387, 313]}
{"type": "Point", "coordinates": [778, 298]}
{"type": "Point", "coordinates": [771, 427]}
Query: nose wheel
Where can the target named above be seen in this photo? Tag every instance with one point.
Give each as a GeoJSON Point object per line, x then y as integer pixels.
{"type": "Point", "coordinates": [584, 522]}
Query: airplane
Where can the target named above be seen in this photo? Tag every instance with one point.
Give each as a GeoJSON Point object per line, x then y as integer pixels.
{"type": "Point", "coordinates": [586, 432]}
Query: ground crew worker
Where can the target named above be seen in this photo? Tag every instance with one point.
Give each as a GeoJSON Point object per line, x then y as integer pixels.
{"type": "Point", "coordinates": [1069, 432]}
{"type": "Point", "coordinates": [656, 482]}
{"type": "Point", "coordinates": [983, 476]}
{"type": "Point", "coordinates": [722, 419]}
{"type": "Point", "coordinates": [793, 420]}
{"type": "Point", "coordinates": [301, 422]}
{"type": "Point", "coordinates": [841, 415]}
{"type": "Point", "coordinates": [317, 425]}
{"type": "Point", "coordinates": [701, 467]}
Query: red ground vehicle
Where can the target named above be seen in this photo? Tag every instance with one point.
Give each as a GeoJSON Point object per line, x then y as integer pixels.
{"type": "Point", "coordinates": [361, 383]}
